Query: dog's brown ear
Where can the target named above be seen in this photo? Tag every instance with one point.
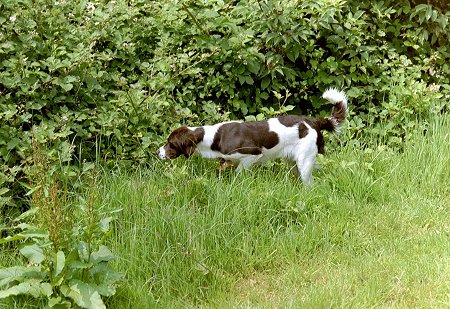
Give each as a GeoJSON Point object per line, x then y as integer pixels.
{"type": "Point", "coordinates": [189, 149]}
{"type": "Point", "coordinates": [184, 141]}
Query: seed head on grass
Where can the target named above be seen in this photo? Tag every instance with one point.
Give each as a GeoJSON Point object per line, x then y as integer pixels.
{"type": "Point", "coordinates": [48, 198]}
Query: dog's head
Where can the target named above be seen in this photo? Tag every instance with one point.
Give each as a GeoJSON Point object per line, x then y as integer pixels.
{"type": "Point", "coordinates": [182, 141]}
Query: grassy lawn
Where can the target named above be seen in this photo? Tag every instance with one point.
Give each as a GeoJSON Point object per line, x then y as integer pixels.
{"type": "Point", "coordinates": [372, 231]}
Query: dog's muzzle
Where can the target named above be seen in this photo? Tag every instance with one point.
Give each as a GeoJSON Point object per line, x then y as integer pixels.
{"type": "Point", "coordinates": [161, 153]}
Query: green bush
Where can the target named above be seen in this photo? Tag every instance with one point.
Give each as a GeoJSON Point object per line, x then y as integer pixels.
{"type": "Point", "coordinates": [104, 80]}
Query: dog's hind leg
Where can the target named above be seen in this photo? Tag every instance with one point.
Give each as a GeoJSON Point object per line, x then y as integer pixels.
{"type": "Point", "coordinates": [305, 167]}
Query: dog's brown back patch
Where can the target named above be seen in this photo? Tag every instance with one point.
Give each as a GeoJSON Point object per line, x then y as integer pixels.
{"type": "Point", "coordinates": [244, 137]}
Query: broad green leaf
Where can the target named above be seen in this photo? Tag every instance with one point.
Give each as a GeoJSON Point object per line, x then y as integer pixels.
{"type": "Point", "coordinates": [202, 268]}
{"type": "Point", "coordinates": [265, 82]}
{"type": "Point", "coordinates": [84, 295]}
{"type": "Point", "coordinates": [66, 87]}
{"type": "Point", "coordinates": [249, 80]}
{"type": "Point", "coordinates": [105, 277]}
{"type": "Point", "coordinates": [12, 144]}
{"type": "Point", "coordinates": [241, 79]}
{"type": "Point", "coordinates": [60, 262]}
{"type": "Point", "coordinates": [104, 224]}
{"type": "Point", "coordinates": [104, 273]}
{"type": "Point", "coordinates": [20, 273]}
{"type": "Point", "coordinates": [15, 273]}
{"type": "Point", "coordinates": [33, 253]}
{"type": "Point", "coordinates": [33, 287]}
{"type": "Point", "coordinates": [277, 95]}
{"type": "Point", "coordinates": [264, 95]}
{"type": "Point", "coordinates": [253, 66]}
{"type": "Point", "coordinates": [260, 117]}
{"type": "Point", "coordinates": [53, 301]}
{"type": "Point", "coordinates": [103, 254]}
{"type": "Point", "coordinates": [75, 264]}
{"type": "Point", "coordinates": [289, 107]}
{"type": "Point", "coordinates": [106, 289]}
{"type": "Point", "coordinates": [35, 234]}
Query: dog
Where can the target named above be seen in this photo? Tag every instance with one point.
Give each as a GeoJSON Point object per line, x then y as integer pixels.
{"type": "Point", "coordinates": [296, 138]}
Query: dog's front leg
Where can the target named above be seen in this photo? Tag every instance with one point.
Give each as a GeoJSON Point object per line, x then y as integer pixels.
{"type": "Point", "coordinates": [247, 162]}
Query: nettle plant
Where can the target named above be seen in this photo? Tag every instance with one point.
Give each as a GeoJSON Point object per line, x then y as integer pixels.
{"type": "Point", "coordinates": [66, 261]}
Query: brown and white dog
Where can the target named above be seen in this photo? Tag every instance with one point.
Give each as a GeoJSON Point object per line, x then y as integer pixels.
{"type": "Point", "coordinates": [295, 138]}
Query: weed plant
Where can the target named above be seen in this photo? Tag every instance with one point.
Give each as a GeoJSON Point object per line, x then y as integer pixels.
{"type": "Point", "coordinates": [63, 260]}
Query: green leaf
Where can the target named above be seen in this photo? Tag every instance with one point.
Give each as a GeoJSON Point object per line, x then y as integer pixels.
{"type": "Point", "coordinates": [289, 108]}
{"type": "Point", "coordinates": [277, 95]}
{"type": "Point", "coordinates": [84, 295]}
{"type": "Point", "coordinates": [249, 80]}
{"type": "Point", "coordinates": [26, 214]}
{"type": "Point", "coordinates": [264, 95]}
{"type": "Point", "coordinates": [11, 238]}
{"type": "Point", "coordinates": [53, 301]}
{"type": "Point", "coordinates": [104, 224]}
{"type": "Point", "coordinates": [33, 253]}
{"type": "Point", "coordinates": [31, 231]}
{"type": "Point", "coordinates": [65, 83]}
{"type": "Point", "coordinates": [265, 82]}
{"type": "Point", "coordinates": [242, 79]}
{"type": "Point", "coordinates": [83, 252]}
{"type": "Point", "coordinates": [105, 276]}
{"type": "Point", "coordinates": [60, 262]}
{"type": "Point", "coordinates": [102, 255]}
{"type": "Point", "coordinates": [253, 66]}
{"type": "Point", "coordinates": [33, 287]}
{"type": "Point", "coordinates": [202, 268]}
{"type": "Point", "coordinates": [18, 273]}
{"type": "Point", "coordinates": [260, 117]}
{"type": "Point", "coordinates": [13, 143]}
{"type": "Point", "coordinates": [66, 87]}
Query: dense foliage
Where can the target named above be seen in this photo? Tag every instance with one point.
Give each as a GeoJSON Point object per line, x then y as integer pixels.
{"type": "Point", "coordinates": [105, 80]}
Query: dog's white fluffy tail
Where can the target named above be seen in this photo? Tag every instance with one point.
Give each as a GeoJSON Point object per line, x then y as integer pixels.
{"type": "Point", "coordinates": [335, 96]}
{"type": "Point", "coordinates": [340, 109]}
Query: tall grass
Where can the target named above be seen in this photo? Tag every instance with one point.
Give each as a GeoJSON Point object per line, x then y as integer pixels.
{"type": "Point", "coordinates": [371, 232]}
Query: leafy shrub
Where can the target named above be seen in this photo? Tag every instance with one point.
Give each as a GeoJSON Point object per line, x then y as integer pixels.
{"type": "Point", "coordinates": [66, 259]}
{"type": "Point", "coordinates": [106, 80]}
{"type": "Point", "coordinates": [101, 80]}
